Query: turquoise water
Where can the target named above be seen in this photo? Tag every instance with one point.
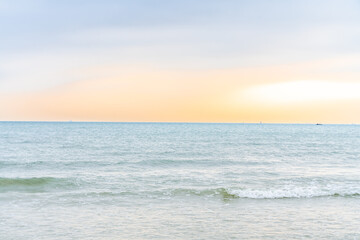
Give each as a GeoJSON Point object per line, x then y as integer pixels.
{"type": "Point", "coordinates": [179, 181]}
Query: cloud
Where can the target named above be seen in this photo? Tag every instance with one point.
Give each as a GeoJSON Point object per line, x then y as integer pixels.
{"type": "Point", "coordinates": [293, 92]}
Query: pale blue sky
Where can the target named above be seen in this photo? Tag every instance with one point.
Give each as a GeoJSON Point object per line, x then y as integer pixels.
{"type": "Point", "coordinates": [43, 42]}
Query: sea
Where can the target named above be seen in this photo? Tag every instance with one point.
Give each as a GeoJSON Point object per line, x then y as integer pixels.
{"type": "Point", "coordinates": [95, 180]}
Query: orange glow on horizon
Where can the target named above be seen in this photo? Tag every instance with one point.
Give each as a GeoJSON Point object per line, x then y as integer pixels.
{"type": "Point", "coordinates": [267, 94]}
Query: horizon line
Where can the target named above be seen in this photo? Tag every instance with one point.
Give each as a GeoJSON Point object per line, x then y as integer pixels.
{"type": "Point", "coordinates": [159, 122]}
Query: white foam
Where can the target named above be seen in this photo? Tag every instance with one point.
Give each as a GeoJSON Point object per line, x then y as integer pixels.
{"type": "Point", "coordinates": [292, 192]}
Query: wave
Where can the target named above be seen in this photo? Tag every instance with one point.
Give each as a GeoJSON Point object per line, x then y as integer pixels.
{"type": "Point", "coordinates": [207, 192]}
{"type": "Point", "coordinates": [292, 193]}
{"type": "Point", "coordinates": [150, 163]}
{"type": "Point", "coordinates": [267, 194]}
{"type": "Point", "coordinates": [34, 183]}
{"type": "Point", "coordinates": [195, 162]}
{"type": "Point", "coordinates": [55, 164]}
{"type": "Point", "coordinates": [25, 181]}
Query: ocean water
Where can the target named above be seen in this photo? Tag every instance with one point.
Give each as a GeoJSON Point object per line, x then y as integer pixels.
{"type": "Point", "coordinates": [179, 181]}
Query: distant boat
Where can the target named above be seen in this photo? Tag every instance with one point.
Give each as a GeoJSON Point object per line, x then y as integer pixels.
{"type": "Point", "coordinates": [318, 124]}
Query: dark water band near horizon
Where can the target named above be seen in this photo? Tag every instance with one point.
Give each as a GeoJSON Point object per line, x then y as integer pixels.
{"type": "Point", "coordinates": [76, 180]}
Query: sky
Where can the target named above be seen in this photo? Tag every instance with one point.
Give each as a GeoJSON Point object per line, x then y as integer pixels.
{"type": "Point", "coordinates": [280, 61]}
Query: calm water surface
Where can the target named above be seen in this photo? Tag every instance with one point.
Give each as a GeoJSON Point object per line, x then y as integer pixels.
{"type": "Point", "coordinates": [179, 181]}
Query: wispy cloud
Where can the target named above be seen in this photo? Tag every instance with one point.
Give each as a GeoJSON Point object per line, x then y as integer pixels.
{"type": "Point", "coordinates": [288, 93]}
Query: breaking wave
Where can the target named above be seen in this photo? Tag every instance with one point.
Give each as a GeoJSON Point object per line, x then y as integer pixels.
{"type": "Point", "coordinates": [268, 193]}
